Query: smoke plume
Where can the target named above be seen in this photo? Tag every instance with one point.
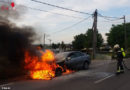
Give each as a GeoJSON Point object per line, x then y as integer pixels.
{"type": "Point", "coordinates": [14, 41]}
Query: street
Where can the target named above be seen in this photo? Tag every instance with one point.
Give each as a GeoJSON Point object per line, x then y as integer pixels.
{"type": "Point", "coordinates": [100, 76]}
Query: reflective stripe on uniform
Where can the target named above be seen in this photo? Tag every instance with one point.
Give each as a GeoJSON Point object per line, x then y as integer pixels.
{"type": "Point", "coordinates": [123, 53]}
{"type": "Point", "coordinates": [119, 70]}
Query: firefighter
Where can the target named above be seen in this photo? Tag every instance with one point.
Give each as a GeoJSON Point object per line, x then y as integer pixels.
{"type": "Point", "coordinates": [119, 56]}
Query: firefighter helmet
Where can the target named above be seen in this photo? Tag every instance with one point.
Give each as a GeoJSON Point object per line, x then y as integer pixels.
{"type": "Point", "coordinates": [116, 46]}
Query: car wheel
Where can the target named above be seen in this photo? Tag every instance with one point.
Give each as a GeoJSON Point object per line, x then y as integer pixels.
{"type": "Point", "coordinates": [58, 72]}
{"type": "Point", "coordinates": [85, 65]}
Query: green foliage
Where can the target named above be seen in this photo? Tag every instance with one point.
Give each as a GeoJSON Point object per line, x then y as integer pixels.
{"type": "Point", "coordinates": [62, 45]}
{"type": "Point", "coordinates": [116, 35]}
{"type": "Point", "coordinates": [59, 45]}
{"type": "Point", "coordinates": [55, 46]}
{"type": "Point", "coordinates": [99, 40]}
{"type": "Point", "coordinates": [89, 41]}
{"type": "Point", "coordinates": [85, 40]}
{"type": "Point", "coordinates": [79, 41]}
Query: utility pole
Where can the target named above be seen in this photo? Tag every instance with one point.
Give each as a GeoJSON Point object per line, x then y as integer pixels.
{"type": "Point", "coordinates": [94, 28]}
{"type": "Point", "coordinates": [50, 41]}
{"type": "Point", "coordinates": [44, 40]}
{"type": "Point", "coordinates": [44, 37]}
{"type": "Point", "coordinates": [125, 36]}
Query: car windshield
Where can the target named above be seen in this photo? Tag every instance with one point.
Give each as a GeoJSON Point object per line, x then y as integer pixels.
{"type": "Point", "coordinates": [61, 56]}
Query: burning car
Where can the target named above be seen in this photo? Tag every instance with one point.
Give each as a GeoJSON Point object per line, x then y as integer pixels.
{"type": "Point", "coordinates": [46, 65]}
{"type": "Point", "coordinates": [73, 60]}
{"type": "Point", "coordinates": [43, 65]}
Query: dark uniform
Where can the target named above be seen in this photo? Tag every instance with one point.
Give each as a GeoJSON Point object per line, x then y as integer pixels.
{"type": "Point", "coordinates": [120, 68]}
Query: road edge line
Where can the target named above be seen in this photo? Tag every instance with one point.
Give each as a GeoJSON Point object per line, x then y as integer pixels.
{"type": "Point", "coordinates": [98, 81]}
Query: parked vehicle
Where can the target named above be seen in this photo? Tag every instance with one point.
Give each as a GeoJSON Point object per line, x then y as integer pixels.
{"type": "Point", "coordinates": [73, 60]}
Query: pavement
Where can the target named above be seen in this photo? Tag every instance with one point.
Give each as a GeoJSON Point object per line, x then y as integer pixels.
{"type": "Point", "coordinates": [100, 76]}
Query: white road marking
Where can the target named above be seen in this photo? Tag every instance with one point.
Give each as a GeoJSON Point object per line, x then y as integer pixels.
{"type": "Point", "coordinates": [6, 84]}
{"type": "Point", "coordinates": [98, 81]}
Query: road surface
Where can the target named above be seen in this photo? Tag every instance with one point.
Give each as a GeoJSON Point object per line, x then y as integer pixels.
{"type": "Point", "coordinates": [100, 76]}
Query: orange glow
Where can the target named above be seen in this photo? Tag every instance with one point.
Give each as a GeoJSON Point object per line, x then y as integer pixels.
{"type": "Point", "coordinates": [68, 71]}
{"type": "Point", "coordinates": [42, 67]}
{"type": "Point", "coordinates": [42, 74]}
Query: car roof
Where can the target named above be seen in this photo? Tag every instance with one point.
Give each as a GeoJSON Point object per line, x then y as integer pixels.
{"type": "Point", "coordinates": [65, 54]}
{"type": "Point", "coordinates": [74, 51]}
{"type": "Point", "coordinates": [68, 52]}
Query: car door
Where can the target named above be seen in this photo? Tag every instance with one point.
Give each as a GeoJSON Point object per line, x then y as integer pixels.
{"type": "Point", "coordinates": [79, 59]}
{"type": "Point", "coordinates": [71, 60]}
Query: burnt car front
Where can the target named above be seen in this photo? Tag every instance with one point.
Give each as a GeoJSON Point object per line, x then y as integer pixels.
{"type": "Point", "coordinates": [60, 60]}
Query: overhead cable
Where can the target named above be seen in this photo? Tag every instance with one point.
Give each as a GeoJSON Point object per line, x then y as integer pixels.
{"type": "Point", "coordinates": [54, 13]}
{"type": "Point", "coordinates": [60, 7]}
{"type": "Point", "coordinates": [67, 28]}
{"type": "Point", "coordinates": [109, 16]}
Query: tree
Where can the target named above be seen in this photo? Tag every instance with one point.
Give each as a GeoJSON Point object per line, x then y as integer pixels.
{"type": "Point", "coordinates": [85, 40]}
{"type": "Point", "coordinates": [63, 46]}
{"type": "Point", "coordinates": [99, 40]}
{"type": "Point", "coordinates": [54, 46]}
{"type": "Point", "coordinates": [89, 42]}
{"type": "Point", "coordinates": [89, 37]}
{"type": "Point", "coordinates": [116, 35]}
{"type": "Point", "coordinates": [79, 41]}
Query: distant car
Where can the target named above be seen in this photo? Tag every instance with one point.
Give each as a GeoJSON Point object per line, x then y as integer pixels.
{"type": "Point", "coordinates": [72, 60]}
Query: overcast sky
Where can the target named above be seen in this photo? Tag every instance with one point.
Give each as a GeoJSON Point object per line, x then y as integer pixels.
{"type": "Point", "coordinates": [49, 23]}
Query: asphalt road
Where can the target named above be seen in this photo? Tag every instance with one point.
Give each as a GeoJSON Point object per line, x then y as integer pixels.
{"type": "Point", "coordinates": [100, 76]}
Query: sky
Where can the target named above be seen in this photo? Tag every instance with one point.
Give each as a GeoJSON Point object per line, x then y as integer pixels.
{"type": "Point", "coordinates": [51, 24]}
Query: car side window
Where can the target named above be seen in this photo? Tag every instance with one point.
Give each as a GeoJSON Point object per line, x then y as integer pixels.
{"type": "Point", "coordinates": [79, 54]}
{"type": "Point", "coordinates": [71, 56]}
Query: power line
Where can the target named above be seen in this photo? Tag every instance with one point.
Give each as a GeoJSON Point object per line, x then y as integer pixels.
{"type": "Point", "coordinates": [111, 19]}
{"type": "Point", "coordinates": [49, 11]}
{"type": "Point", "coordinates": [54, 12]}
{"type": "Point", "coordinates": [67, 28]}
{"type": "Point", "coordinates": [61, 7]}
{"type": "Point", "coordinates": [109, 16]}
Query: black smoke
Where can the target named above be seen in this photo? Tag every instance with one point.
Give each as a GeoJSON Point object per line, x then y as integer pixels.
{"type": "Point", "coordinates": [14, 41]}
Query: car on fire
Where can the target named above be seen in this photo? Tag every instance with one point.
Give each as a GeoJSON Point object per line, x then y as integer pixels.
{"type": "Point", "coordinates": [73, 60]}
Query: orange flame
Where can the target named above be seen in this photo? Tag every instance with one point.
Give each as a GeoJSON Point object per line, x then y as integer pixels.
{"type": "Point", "coordinates": [41, 67]}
